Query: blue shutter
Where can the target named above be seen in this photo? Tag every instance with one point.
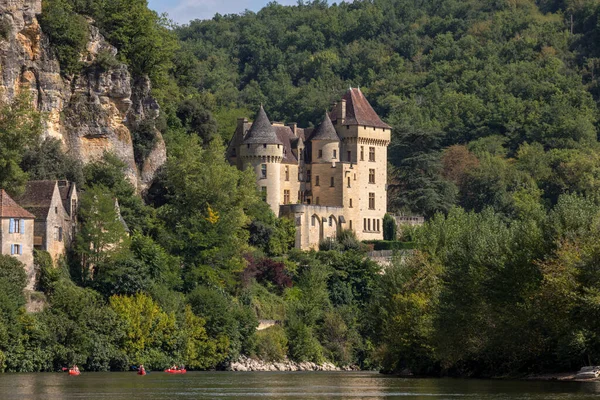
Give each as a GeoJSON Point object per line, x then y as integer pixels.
{"type": "Point", "coordinates": [22, 226]}
{"type": "Point", "coordinates": [12, 249]}
{"type": "Point", "coordinates": [11, 227]}
{"type": "Point", "coordinates": [20, 249]}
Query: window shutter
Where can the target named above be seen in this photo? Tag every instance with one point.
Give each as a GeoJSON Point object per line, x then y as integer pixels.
{"type": "Point", "coordinates": [20, 249]}
{"type": "Point", "coordinates": [12, 249]}
{"type": "Point", "coordinates": [11, 227]}
{"type": "Point", "coordinates": [22, 226]}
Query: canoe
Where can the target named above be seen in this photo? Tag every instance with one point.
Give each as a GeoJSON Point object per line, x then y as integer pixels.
{"type": "Point", "coordinates": [141, 372]}
{"type": "Point", "coordinates": [73, 372]}
{"type": "Point", "coordinates": [175, 371]}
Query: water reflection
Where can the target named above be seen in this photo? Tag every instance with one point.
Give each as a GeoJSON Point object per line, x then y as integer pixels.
{"type": "Point", "coordinates": [277, 385]}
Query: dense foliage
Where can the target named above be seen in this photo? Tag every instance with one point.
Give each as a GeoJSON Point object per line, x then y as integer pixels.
{"type": "Point", "coordinates": [495, 116]}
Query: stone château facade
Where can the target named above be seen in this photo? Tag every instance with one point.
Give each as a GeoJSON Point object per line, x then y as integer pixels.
{"type": "Point", "coordinates": [330, 178]}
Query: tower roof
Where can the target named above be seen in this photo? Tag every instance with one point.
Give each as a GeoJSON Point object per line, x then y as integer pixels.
{"type": "Point", "coordinates": [262, 131]}
{"type": "Point", "coordinates": [326, 131]}
{"type": "Point", "coordinates": [359, 111]}
{"type": "Point", "coordinates": [10, 209]}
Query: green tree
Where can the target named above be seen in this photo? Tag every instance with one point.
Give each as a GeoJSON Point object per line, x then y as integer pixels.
{"type": "Point", "coordinates": [389, 228]}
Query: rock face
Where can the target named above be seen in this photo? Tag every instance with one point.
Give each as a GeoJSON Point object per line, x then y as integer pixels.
{"type": "Point", "coordinates": [251, 364]}
{"type": "Point", "coordinates": [91, 113]}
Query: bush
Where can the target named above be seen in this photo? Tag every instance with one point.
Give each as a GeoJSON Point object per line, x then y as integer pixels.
{"type": "Point", "coordinates": [67, 31]}
{"type": "Point", "coordinates": [390, 230]}
{"type": "Point", "coordinates": [389, 245]}
{"type": "Point", "coordinates": [271, 344]}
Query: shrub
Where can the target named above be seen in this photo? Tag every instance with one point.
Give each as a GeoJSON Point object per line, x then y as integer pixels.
{"type": "Point", "coordinates": [272, 344]}
{"type": "Point", "coordinates": [389, 245]}
{"type": "Point", "coordinates": [390, 229]}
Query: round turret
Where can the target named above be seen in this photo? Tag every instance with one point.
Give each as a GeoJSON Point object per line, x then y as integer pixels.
{"type": "Point", "coordinates": [325, 142]}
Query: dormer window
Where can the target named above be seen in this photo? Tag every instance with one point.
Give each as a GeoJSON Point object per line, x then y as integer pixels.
{"type": "Point", "coordinates": [334, 153]}
{"type": "Point", "coordinates": [265, 145]}
{"type": "Point", "coordinates": [320, 153]}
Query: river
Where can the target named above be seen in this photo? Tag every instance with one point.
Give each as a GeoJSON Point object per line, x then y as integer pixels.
{"type": "Point", "coordinates": [278, 385]}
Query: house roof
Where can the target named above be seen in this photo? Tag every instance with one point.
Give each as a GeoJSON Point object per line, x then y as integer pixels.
{"type": "Point", "coordinates": [10, 209]}
{"type": "Point", "coordinates": [262, 131]}
{"type": "Point", "coordinates": [286, 136]}
{"type": "Point", "coordinates": [37, 197]}
{"type": "Point", "coordinates": [66, 188]}
{"type": "Point", "coordinates": [325, 131]}
{"type": "Point", "coordinates": [359, 111]}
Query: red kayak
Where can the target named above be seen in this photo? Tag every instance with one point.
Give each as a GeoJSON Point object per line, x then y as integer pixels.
{"type": "Point", "coordinates": [73, 372]}
{"type": "Point", "coordinates": [175, 371]}
{"type": "Point", "coordinates": [141, 372]}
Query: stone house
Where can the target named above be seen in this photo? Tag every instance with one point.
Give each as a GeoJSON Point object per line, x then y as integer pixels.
{"type": "Point", "coordinates": [330, 178]}
{"type": "Point", "coordinates": [54, 204]}
{"type": "Point", "coordinates": [16, 234]}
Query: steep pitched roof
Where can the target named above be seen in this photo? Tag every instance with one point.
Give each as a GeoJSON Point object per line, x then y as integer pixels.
{"type": "Point", "coordinates": [37, 197]}
{"type": "Point", "coordinates": [262, 131]}
{"type": "Point", "coordinates": [285, 136]}
{"type": "Point", "coordinates": [359, 111]}
{"type": "Point", "coordinates": [10, 209]}
{"type": "Point", "coordinates": [66, 188]}
{"type": "Point", "coordinates": [325, 131]}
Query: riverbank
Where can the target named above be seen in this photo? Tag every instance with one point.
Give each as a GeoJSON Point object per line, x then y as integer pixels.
{"type": "Point", "coordinates": [245, 364]}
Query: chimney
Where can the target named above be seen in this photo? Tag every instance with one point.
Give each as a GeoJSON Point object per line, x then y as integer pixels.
{"type": "Point", "coordinates": [293, 126]}
{"type": "Point", "coordinates": [340, 111]}
{"type": "Point", "coordinates": [240, 125]}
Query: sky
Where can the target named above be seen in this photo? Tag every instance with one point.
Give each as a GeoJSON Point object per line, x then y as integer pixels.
{"type": "Point", "coordinates": [183, 11]}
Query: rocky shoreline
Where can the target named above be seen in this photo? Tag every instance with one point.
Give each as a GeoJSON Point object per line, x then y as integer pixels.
{"type": "Point", "coordinates": [245, 364]}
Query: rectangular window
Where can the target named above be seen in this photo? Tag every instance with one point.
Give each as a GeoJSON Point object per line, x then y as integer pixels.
{"type": "Point", "coordinates": [317, 180]}
{"type": "Point", "coordinates": [364, 224]}
{"type": "Point", "coordinates": [377, 225]}
{"type": "Point", "coordinates": [286, 197]}
{"type": "Point", "coordinates": [287, 173]}
{"type": "Point", "coordinates": [350, 224]}
{"type": "Point", "coordinates": [362, 153]}
{"type": "Point", "coordinates": [57, 233]}
{"type": "Point", "coordinates": [17, 225]}
{"type": "Point", "coordinates": [371, 153]}
{"type": "Point", "coordinates": [348, 181]}
{"type": "Point", "coordinates": [330, 221]}
{"type": "Point", "coordinates": [308, 176]}
{"type": "Point", "coordinates": [263, 192]}
{"type": "Point", "coordinates": [371, 176]}
{"type": "Point", "coordinates": [55, 210]}
{"type": "Point", "coordinates": [301, 152]}
{"type": "Point", "coordinates": [313, 220]}
{"type": "Point", "coordinates": [334, 153]}
{"type": "Point", "coordinates": [371, 201]}
{"type": "Point", "coordinates": [320, 153]}
{"type": "Point", "coordinates": [263, 171]}
{"type": "Point", "coordinates": [368, 224]}
{"type": "Point", "coordinates": [350, 203]}
{"type": "Point", "coordinates": [349, 156]}
{"type": "Point", "coordinates": [16, 249]}
{"type": "Point", "coordinates": [332, 184]}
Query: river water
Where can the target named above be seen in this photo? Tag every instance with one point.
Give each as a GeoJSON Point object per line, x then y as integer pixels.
{"type": "Point", "coordinates": [279, 385]}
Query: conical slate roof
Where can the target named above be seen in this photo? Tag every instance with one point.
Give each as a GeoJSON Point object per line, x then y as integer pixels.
{"type": "Point", "coordinates": [359, 111]}
{"type": "Point", "coordinates": [326, 131]}
{"type": "Point", "coordinates": [262, 131]}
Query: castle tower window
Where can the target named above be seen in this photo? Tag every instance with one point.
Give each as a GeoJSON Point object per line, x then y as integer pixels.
{"type": "Point", "coordinates": [317, 180]}
{"type": "Point", "coordinates": [371, 153]}
{"type": "Point", "coordinates": [368, 224]}
{"type": "Point", "coordinates": [263, 192]}
{"type": "Point", "coordinates": [301, 153]}
{"type": "Point", "coordinates": [286, 197]}
{"type": "Point", "coordinates": [320, 153]}
{"type": "Point", "coordinates": [332, 184]}
{"type": "Point", "coordinates": [349, 156]}
{"type": "Point", "coordinates": [313, 220]}
{"type": "Point", "coordinates": [265, 145]}
{"type": "Point", "coordinates": [362, 153]}
{"type": "Point", "coordinates": [350, 203]}
{"type": "Point", "coordinates": [350, 224]}
{"type": "Point", "coordinates": [371, 201]}
{"type": "Point", "coordinates": [308, 175]}
{"type": "Point", "coordinates": [263, 171]}
{"type": "Point", "coordinates": [287, 173]}
{"type": "Point", "coordinates": [334, 153]}
{"type": "Point", "coordinates": [248, 145]}
{"type": "Point", "coordinates": [371, 176]}
{"type": "Point", "coordinates": [377, 225]}
{"type": "Point", "coordinates": [330, 221]}
{"type": "Point", "coordinates": [348, 181]}
{"type": "Point", "coordinates": [364, 224]}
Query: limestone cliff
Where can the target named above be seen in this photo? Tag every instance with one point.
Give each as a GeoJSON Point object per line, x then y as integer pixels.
{"type": "Point", "coordinates": [90, 113]}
